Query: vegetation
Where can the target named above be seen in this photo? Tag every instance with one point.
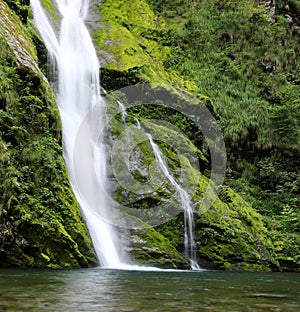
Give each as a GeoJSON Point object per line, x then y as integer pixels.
{"type": "Point", "coordinates": [239, 59]}
{"type": "Point", "coordinates": [40, 221]}
{"type": "Point", "coordinates": [247, 62]}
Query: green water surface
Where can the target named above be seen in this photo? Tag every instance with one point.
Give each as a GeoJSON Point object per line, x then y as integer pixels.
{"type": "Point", "coordinates": [125, 291]}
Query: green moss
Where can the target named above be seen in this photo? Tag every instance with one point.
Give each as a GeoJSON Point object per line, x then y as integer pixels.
{"type": "Point", "coordinates": [17, 36]}
{"type": "Point", "coordinates": [247, 68]}
{"type": "Point", "coordinates": [165, 132]}
{"type": "Point", "coordinates": [131, 36]}
{"type": "Point", "coordinates": [149, 247]}
{"type": "Point", "coordinates": [20, 7]}
{"type": "Point", "coordinates": [48, 5]}
{"type": "Point", "coordinates": [40, 221]}
{"type": "Point", "coordinates": [229, 233]}
{"type": "Point", "coordinates": [239, 236]}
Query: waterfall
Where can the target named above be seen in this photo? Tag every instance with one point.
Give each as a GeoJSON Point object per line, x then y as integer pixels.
{"type": "Point", "coordinates": [189, 241]}
{"type": "Point", "coordinates": [123, 111]}
{"type": "Point", "coordinates": [83, 114]}
{"type": "Point", "coordinates": [82, 111]}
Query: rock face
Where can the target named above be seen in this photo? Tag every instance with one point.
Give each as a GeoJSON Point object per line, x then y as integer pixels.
{"type": "Point", "coordinates": [40, 221]}
{"type": "Point", "coordinates": [136, 45]}
{"type": "Point", "coordinates": [229, 234]}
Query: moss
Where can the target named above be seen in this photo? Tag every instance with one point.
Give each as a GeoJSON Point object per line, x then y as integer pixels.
{"type": "Point", "coordinates": [164, 133]}
{"type": "Point", "coordinates": [131, 36]}
{"type": "Point", "coordinates": [165, 45]}
{"type": "Point", "coordinates": [286, 247]}
{"type": "Point", "coordinates": [149, 247]}
{"type": "Point", "coordinates": [239, 236]}
{"type": "Point", "coordinates": [229, 234]}
{"type": "Point", "coordinates": [20, 7]}
{"type": "Point", "coordinates": [16, 33]}
{"type": "Point", "coordinates": [48, 5]}
{"type": "Point", "coordinates": [40, 221]}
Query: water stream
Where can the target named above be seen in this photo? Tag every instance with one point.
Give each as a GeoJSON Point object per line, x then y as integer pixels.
{"type": "Point", "coordinates": [185, 201]}
{"type": "Point", "coordinates": [189, 241]}
{"type": "Point", "coordinates": [82, 112]}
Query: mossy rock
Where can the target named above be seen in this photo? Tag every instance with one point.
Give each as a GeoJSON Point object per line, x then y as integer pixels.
{"type": "Point", "coordinates": [149, 247]}
{"type": "Point", "coordinates": [229, 233]}
{"type": "Point", "coordinates": [40, 220]}
{"type": "Point", "coordinates": [129, 38]}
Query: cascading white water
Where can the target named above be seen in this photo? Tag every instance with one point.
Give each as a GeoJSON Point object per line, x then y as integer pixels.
{"type": "Point", "coordinates": [82, 113]}
{"type": "Point", "coordinates": [123, 111]}
{"type": "Point", "coordinates": [189, 241]}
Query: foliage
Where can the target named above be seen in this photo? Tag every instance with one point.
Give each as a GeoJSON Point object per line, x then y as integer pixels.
{"type": "Point", "coordinates": [239, 58]}
{"type": "Point", "coordinates": [40, 221]}
{"type": "Point", "coordinates": [244, 59]}
{"type": "Point", "coordinates": [132, 39]}
{"type": "Point", "coordinates": [20, 7]}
